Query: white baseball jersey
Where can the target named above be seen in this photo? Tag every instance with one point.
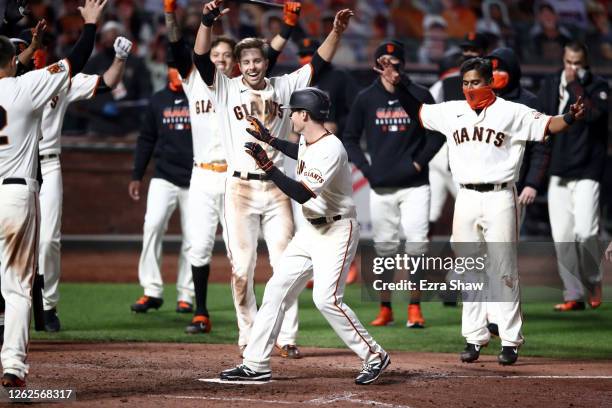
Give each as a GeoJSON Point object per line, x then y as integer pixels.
{"type": "Point", "coordinates": [323, 168]}
{"type": "Point", "coordinates": [234, 101]}
{"type": "Point", "coordinates": [205, 128]}
{"type": "Point", "coordinates": [81, 87]}
{"type": "Point", "coordinates": [21, 101]}
{"type": "Point", "coordinates": [485, 148]}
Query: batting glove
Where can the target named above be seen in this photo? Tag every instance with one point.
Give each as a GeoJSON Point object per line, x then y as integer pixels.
{"type": "Point", "coordinates": [259, 131]}
{"type": "Point", "coordinates": [169, 6]}
{"type": "Point", "coordinates": [291, 12]}
{"type": "Point", "coordinates": [122, 48]}
{"type": "Point", "coordinates": [257, 152]}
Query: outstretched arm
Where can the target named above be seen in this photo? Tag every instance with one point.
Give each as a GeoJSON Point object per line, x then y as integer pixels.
{"type": "Point", "coordinates": [114, 73]}
{"type": "Point", "coordinates": [201, 49]}
{"type": "Point", "coordinates": [561, 123]}
{"type": "Point", "coordinates": [259, 132]}
{"type": "Point", "coordinates": [326, 51]}
{"type": "Point", "coordinates": [291, 14]}
{"type": "Point", "coordinates": [180, 51]}
{"type": "Point", "coordinates": [25, 57]}
{"type": "Point", "coordinates": [81, 51]}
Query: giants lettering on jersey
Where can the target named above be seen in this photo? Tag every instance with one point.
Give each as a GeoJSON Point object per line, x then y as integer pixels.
{"type": "Point", "coordinates": [204, 106]}
{"type": "Point", "coordinates": [271, 108]}
{"type": "Point", "coordinates": [300, 167]}
{"type": "Point", "coordinates": [177, 118]}
{"type": "Point", "coordinates": [53, 101]}
{"type": "Point", "coordinates": [479, 134]}
{"type": "Point", "coordinates": [392, 119]}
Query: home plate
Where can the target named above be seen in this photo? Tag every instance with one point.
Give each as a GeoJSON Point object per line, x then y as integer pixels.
{"type": "Point", "coordinates": [220, 381]}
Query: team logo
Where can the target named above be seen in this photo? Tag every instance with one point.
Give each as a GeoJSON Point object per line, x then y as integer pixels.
{"type": "Point", "coordinates": [536, 114]}
{"type": "Point", "coordinates": [56, 68]}
{"type": "Point", "coordinates": [495, 63]}
{"type": "Point", "coordinates": [314, 176]}
{"type": "Point", "coordinates": [390, 48]}
{"type": "Point", "coordinates": [306, 42]}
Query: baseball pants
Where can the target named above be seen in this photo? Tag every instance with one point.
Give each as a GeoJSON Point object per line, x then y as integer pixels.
{"type": "Point", "coordinates": [573, 208]}
{"type": "Point", "coordinates": [19, 228]}
{"type": "Point", "coordinates": [251, 206]}
{"type": "Point", "coordinates": [162, 199]}
{"type": "Point", "coordinates": [323, 253]}
{"type": "Point", "coordinates": [441, 183]}
{"type": "Point", "coordinates": [206, 202]}
{"type": "Point", "coordinates": [49, 258]}
{"type": "Point", "coordinates": [491, 218]}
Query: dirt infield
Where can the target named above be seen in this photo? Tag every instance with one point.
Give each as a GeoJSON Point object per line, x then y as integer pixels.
{"type": "Point", "coordinates": [151, 375]}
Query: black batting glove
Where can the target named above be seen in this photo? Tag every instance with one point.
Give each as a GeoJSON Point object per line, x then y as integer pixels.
{"type": "Point", "coordinates": [259, 155]}
{"type": "Point", "coordinates": [259, 131]}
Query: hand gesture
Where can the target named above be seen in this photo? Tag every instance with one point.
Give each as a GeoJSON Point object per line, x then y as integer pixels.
{"type": "Point", "coordinates": [92, 10]}
{"type": "Point", "coordinates": [291, 12]}
{"type": "Point", "coordinates": [527, 196]}
{"type": "Point", "coordinates": [134, 190]}
{"type": "Point", "coordinates": [259, 155]}
{"type": "Point", "coordinates": [259, 131]}
{"type": "Point", "coordinates": [122, 48]}
{"type": "Point", "coordinates": [37, 34]}
{"type": "Point", "coordinates": [577, 109]}
{"type": "Point", "coordinates": [211, 12]}
{"type": "Point", "coordinates": [341, 21]}
{"type": "Point", "coordinates": [389, 71]}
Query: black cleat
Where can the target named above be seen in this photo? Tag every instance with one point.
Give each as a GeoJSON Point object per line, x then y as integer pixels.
{"type": "Point", "coordinates": [508, 355]}
{"type": "Point", "coordinates": [470, 353]}
{"type": "Point", "coordinates": [184, 307]}
{"type": "Point", "coordinates": [493, 329]}
{"type": "Point", "coordinates": [145, 303]}
{"type": "Point", "coordinates": [12, 381]}
{"type": "Point", "coordinates": [370, 372]}
{"type": "Point", "coordinates": [244, 373]}
{"type": "Point", "coordinates": [52, 323]}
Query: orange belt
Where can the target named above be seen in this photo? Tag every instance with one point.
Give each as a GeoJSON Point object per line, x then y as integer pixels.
{"type": "Point", "coordinates": [218, 167]}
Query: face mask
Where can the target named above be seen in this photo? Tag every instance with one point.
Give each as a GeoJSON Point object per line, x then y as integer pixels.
{"type": "Point", "coordinates": [500, 80]}
{"type": "Point", "coordinates": [40, 59]}
{"type": "Point", "coordinates": [174, 81]}
{"type": "Point", "coordinates": [479, 98]}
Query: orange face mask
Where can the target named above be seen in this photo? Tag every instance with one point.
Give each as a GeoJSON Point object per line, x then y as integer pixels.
{"type": "Point", "coordinates": [40, 58]}
{"type": "Point", "coordinates": [500, 79]}
{"type": "Point", "coordinates": [174, 80]}
{"type": "Point", "coordinates": [305, 60]}
{"type": "Point", "coordinates": [479, 98]}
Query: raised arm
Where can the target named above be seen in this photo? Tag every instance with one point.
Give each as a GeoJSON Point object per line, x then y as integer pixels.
{"type": "Point", "coordinates": [25, 57]}
{"type": "Point", "coordinates": [114, 73]}
{"type": "Point", "coordinates": [326, 51]}
{"type": "Point", "coordinates": [561, 123]}
{"type": "Point", "coordinates": [179, 49]}
{"type": "Point", "coordinates": [201, 49]}
{"type": "Point", "coordinates": [81, 51]}
{"type": "Point", "coordinates": [291, 14]}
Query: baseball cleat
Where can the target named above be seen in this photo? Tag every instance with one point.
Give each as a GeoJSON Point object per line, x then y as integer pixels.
{"type": "Point", "coordinates": [244, 373]}
{"type": "Point", "coordinates": [595, 296]}
{"type": "Point", "coordinates": [52, 323]}
{"type": "Point", "coordinates": [370, 372]}
{"type": "Point", "coordinates": [384, 318]}
{"type": "Point", "coordinates": [415, 317]}
{"type": "Point", "coordinates": [289, 351]}
{"type": "Point", "coordinates": [569, 306]}
{"type": "Point", "coordinates": [183, 307]}
{"type": "Point", "coordinates": [11, 381]}
{"type": "Point", "coordinates": [508, 355]}
{"type": "Point", "coordinates": [493, 329]}
{"type": "Point", "coordinates": [199, 324]}
{"type": "Point", "coordinates": [470, 353]}
{"type": "Point", "coordinates": [145, 303]}
{"type": "Point", "coordinates": [353, 274]}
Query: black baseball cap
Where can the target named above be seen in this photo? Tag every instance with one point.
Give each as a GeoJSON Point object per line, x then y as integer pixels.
{"type": "Point", "coordinates": [475, 40]}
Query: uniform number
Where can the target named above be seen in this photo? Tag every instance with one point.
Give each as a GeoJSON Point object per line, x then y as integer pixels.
{"type": "Point", "coordinates": [3, 139]}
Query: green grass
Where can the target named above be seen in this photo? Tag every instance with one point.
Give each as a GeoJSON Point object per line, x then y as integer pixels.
{"type": "Point", "coordinates": [100, 312]}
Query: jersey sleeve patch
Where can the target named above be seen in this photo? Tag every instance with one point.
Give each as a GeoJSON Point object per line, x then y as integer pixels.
{"type": "Point", "coordinates": [56, 68]}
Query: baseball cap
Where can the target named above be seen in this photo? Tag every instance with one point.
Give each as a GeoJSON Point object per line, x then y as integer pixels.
{"type": "Point", "coordinates": [475, 40]}
{"type": "Point", "coordinates": [390, 47]}
{"type": "Point", "coordinates": [308, 46]}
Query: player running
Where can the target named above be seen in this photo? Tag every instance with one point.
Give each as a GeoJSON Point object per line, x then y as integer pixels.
{"type": "Point", "coordinates": [322, 250]}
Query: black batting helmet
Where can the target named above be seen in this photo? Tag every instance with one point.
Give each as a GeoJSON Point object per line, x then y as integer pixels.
{"type": "Point", "coordinates": [313, 100]}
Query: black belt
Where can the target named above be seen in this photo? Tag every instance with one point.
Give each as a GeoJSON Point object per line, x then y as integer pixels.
{"type": "Point", "coordinates": [252, 176]}
{"type": "Point", "coordinates": [484, 187]}
{"type": "Point", "coordinates": [49, 156]}
{"type": "Point", "coordinates": [324, 220]}
{"type": "Point", "coordinates": [13, 180]}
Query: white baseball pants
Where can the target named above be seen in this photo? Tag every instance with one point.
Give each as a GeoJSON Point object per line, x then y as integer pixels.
{"type": "Point", "coordinates": [407, 208]}
{"type": "Point", "coordinates": [323, 253]}
{"type": "Point", "coordinates": [206, 202]}
{"type": "Point", "coordinates": [19, 228]}
{"type": "Point", "coordinates": [441, 183]}
{"type": "Point", "coordinates": [49, 258]}
{"type": "Point", "coordinates": [573, 208]}
{"type": "Point", "coordinates": [251, 206]}
{"type": "Point", "coordinates": [492, 218]}
{"type": "Point", "coordinates": [162, 199]}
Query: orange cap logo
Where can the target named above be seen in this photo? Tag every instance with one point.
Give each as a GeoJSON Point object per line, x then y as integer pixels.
{"type": "Point", "coordinates": [495, 63]}
{"type": "Point", "coordinates": [390, 48]}
{"type": "Point", "coordinates": [306, 42]}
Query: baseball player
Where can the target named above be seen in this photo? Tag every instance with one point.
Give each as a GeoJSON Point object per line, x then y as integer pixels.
{"type": "Point", "coordinates": [486, 136]}
{"type": "Point", "coordinates": [399, 197]}
{"type": "Point", "coordinates": [81, 87]}
{"type": "Point", "coordinates": [323, 249]}
{"type": "Point", "coordinates": [252, 202]}
{"type": "Point", "coordinates": [21, 102]}
{"type": "Point", "coordinates": [207, 186]}
{"type": "Point", "coordinates": [577, 168]}
{"type": "Point", "coordinates": [166, 130]}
